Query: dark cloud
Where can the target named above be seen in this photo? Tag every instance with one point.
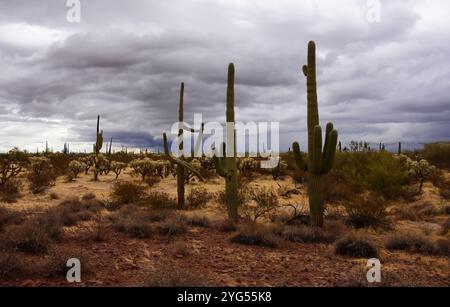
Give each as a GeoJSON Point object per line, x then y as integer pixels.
{"type": "Point", "coordinates": [384, 81]}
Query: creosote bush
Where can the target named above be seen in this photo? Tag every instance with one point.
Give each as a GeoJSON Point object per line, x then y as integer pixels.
{"type": "Point", "coordinates": [356, 245]}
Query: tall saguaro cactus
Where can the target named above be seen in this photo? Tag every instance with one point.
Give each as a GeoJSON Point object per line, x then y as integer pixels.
{"type": "Point", "coordinates": [320, 161]}
{"type": "Point", "coordinates": [97, 147]}
{"type": "Point", "coordinates": [182, 166]}
{"type": "Point", "coordinates": [226, 165]}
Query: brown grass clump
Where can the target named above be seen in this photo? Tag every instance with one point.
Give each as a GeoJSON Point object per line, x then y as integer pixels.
{"type": "Point", "coordinates": [9, 217]}
{"type": "Point", "coordinates": [127, 192]}
{"type": "Point", "coordinates": [197, 198]}
{"type": "Point", "coordinates": [416, 242]}
{"type": "Point", "coordinates": [27, 238]}
{"type": "Point", "coordinates": [199, 221]}
{"type": "Point", "coordinates": [10, 191]}
{"type": "Point", "coordinates": [255, 234]}
{"type": "Point", "coordinates": [366, 211]}
{"type": "Point", "coordinates": [356, 245]}
{"type": "Point", "coordinates": [159, 201]}
{"type": "Point", "coordinates": [55, 264]}
{"type": "Point", "coordinates": [225, 225]}
{"type": "Point", "coordinates": [172, 226]}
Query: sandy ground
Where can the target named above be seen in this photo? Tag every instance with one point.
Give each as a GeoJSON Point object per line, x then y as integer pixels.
{"type": "Point", "coordinates": [124, 261]}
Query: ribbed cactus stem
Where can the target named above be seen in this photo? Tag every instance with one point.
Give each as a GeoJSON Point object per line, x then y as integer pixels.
{"type": "Point", "coordinates": [226, 165]}
{"type": "Point", "coordinates": [320, 161]}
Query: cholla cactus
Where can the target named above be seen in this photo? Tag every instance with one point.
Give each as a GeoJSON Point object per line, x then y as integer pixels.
{"type": "Point", "coordinates": [246, 166]}
{"type": "Point", "coordinates": [8, 169]}
{"type": "Point", "coordinates": [162, 168]}
{"type": "Point", "coordinates": [76, 167]}
{"type": "Point", "coordinates": [117, 167]}
{"type": "Point", "coordinates": [278, 170]}
{"type": "Point", "coordinates": [419, 170]}
{"type": "Point", "coordinates": [39, 165]}
{"type": "Point", "coordinates": [143, 167]}
{"type": "Point", "coordinates": [88, 163]}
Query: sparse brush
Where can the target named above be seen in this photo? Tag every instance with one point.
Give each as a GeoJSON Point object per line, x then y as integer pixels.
{"type": "Point", "coordinates": [11, 266]}
{"type": "Point", "coordinates": [27, 238]}
{"type": "Point", "coordinates": [55, 264]}
{"type": "Point", "coordinates": [356, 245]}
{"type": "Point", "coordinates": [199, 221]}
{"type": "Point", "coordinates": [416, 242]}
{"type": "Point", "coordinates": [366, 211]}
{"type": "Point", "coordinates": [445, 228]}
{"type": "Point", "coordinates": [255, 234]}
{"type": "Point", "coordinates": [41, 174]}
{"type": "Point", "coordinates": [181, 249]}
{"type": "Point", "coordinates": [172, 226]}
{"type": "Point", "coordinates": [9, 217]}
{"type": "Point", "coordinates": [225, 225]}
{"type": "Point", "coordinates": [159, 201]}
{"type": "Point", "coordinates": [264, 202]}
{"type": "Point", "coordinates": [133, 222]}
{"type": "Point", "coordinates": [10, 190]}
{"type": "Point", "coordinates": [307, 234]}
{"type": "Point", "coordinates": [197, 198]}
{"type": "Point", "coordinates": [126, 192]}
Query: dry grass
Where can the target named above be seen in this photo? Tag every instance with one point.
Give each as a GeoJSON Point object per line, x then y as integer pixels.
{"type": "Point", "coordinates": [416, 242]}
{"type": "Point", "coordinates": [255, 234]}
{"type": "Point", "coordinates": [170, 276]}
{"type": "Point", "coordinates": [55, 265]}
{"type": "Point", "coordinates": [306, 234]}
{"type": "Point", "coordinates": [198, 198]}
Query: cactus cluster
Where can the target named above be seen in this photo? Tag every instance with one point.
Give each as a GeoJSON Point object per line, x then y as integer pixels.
{"type": "Point", "coordinates": [247, 166]}
{"type": "Point", "coordinates": [226, 166]}
{"type": "Point", "coordinates": [320, 159]}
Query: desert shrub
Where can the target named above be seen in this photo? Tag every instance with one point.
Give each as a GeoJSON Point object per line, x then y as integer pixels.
{"type": "Point", "coordinates": [50, 222]}
{"type": "Point", "coordinates": [197, 198]}
{"type": "Point", "coordinates": [9, 217]}
{"type": "Point", "coordinates": [306, 234]}
{"type": "Point", "coordinates": [242, 194]}
{"type": "Point", "coordinates": [10, 167]}
{"type": "Point", "coordinates": [173, 225]}
{"type": "Point", "coordinates": [160, 201]}
{"type": "Point", "coordinates": [366, 211]}
{"type": "Point", "coordinates": [255, 234]}
{"type": "Point", "coordinates": [379, 172]}
{"type": "Point", "coordinates": [225, 225]}
{"type": "Point", "coordinates": [132, 221]}
{"type": "Point", "coordinates": [55, 264]}
{"type": "Point", "coordinates": [10, 190]}
{"type": "Point", "coordinates": [356, 245]}
{"type": "Point", "coordinates": [410, 241]}
{"type": "Point", "coordinates": [152, 180]}
{"type": "Point", "coordinates": [442, 247]}
{"type": "Point", "coordinates": [199, 221]}
{"type": "Point", "coordinates": [97, 232]}
{"type": "Point", "coordinates": [41, 174]}
{"type": "Point", "coordinates": [53, 195]}
{"type": "Point", "coordinates": [28, 238]}
{"type": "Point", "coordinates": [88, 196]}
{"type": "Point", "coordinates": [11, 266]}
{"type": "Point", "coordinates": [127, 192]}
{"type": "Point", "coordinates": [170, 276]}
{"type": "Point", "coordinates": [438, 154]}
{"type": "Point", "coordinates": [60, 163]}
{"type": "Point", "coordinates": [339, 189]}
{"type": "Point", "coordinates": [416, 212]}
{"type": "Point", "coordinates": [264, 201]}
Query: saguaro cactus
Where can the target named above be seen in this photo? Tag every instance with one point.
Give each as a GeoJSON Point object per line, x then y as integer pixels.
{"type": "Point", "coordinates": [320, 161]}
{"type": "Point", "coordinates": [182, 165]}
{"type": "Point", "coordinates": [97, 147]}
{"type": "Point", "coordinates": [226, 165]}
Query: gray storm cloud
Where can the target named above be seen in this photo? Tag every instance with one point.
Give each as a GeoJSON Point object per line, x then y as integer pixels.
{"type": "Point", "coordinates": [386, 81]}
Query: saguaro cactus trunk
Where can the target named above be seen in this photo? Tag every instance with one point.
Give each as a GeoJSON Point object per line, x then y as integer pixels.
{"type": "Point", "coordinates": [320, 161]}
{"type": "Point", "coordinates": [226, 165]}
{"type": "Point", "coordinates": [181, 165]}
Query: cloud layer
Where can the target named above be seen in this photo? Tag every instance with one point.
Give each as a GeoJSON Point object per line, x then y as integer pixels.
{"type": "Point", "coordinates": [386, 81]}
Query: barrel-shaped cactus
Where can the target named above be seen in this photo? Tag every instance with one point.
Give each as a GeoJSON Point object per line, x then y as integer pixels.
{"type": "Point", "coordinates": [320, 159]}
{"type": "Point", "coordinates": [226, 165]}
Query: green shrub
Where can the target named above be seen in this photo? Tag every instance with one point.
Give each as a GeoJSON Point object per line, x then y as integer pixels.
{"type": "Point", "coordinates": [438, 154]}
{"type": "Point", "coordinates": [197, 198]}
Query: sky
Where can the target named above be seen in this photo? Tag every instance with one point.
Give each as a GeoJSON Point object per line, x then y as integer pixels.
{"type": "Point", "coordinates": [383, 79]}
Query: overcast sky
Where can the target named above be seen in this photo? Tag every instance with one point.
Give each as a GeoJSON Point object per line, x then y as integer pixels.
{"type": "Point", "coordinates": [378, 81]}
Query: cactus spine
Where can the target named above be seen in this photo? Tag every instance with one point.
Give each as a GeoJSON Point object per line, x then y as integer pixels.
{"type": "Point", "coordinates": [319, 161]}
{"type": "Point", "coordinates": [226, 166]}
{"type": "Point", "coordinates": [182, 165]}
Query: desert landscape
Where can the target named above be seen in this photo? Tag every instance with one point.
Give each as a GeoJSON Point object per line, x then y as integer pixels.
{"type": "Point", "coordinates": [224, 144]}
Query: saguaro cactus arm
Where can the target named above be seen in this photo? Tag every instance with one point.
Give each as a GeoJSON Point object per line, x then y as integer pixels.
{"type": "Point", "coordinates": [179, 162]}
{"type": "Point", "coordinates": [301, 163]}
